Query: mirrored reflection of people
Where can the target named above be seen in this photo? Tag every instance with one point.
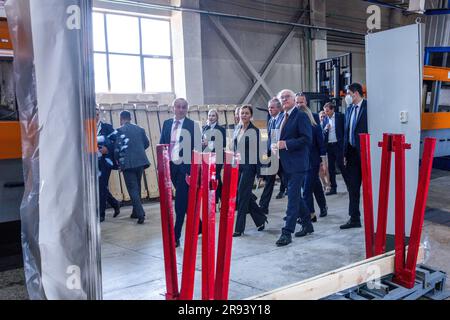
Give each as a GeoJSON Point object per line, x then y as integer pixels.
{"type": "Point", "coordinates": [214, 140]}
{"type": "Point", "coordinates": [273, 128]}
{"type": "Point", "coordinates": [171, 134]}
{"type": "Point", "coordinates": [355, 123]}
{"type": "Point", "coordinates": [106, 163]}
{"type": "Point", "coordinates": [134, 161]}
{"type": "Point", "coordinates": [294, 147]}
{"type": "Point", "coordinates": [317, 159]}
{"type": "Point", "coordinates": [246, 143]}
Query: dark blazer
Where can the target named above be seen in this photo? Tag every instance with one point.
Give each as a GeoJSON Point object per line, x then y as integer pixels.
{"type": "Point", "coordinates": [318, 147]}
{"type": "Point", "coordinates": [134, 155]}
{"type": "Point", "coordinates": [190, 126]}
{"type": "Point", "coordinates": [269, 130]}
{"type": "Point", "coordinates": [106, 131]}
{"type": "Point", "coordinates": [211, 135]}
{"type": "Point", "coordinates": [248, 148]}
{"type": "Point", "coordinates": [339, 126]}
{"type": "Point", "coordinates": [298, 136]}
{"type": "Point", "coordinates": [361, 125]}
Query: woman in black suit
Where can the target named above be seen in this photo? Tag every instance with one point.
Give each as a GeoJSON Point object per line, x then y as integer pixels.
{"type": "Point", "coordinates": [214, 140]}
{"type": "Point", "coordinates": [246, 142]}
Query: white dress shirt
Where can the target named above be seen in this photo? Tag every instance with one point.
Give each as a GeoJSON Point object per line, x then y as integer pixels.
{"type": "Point", "coordinates": [176, 147]}
{"type": "Point", "coordinates": [332, 129]}
{"type": "Point", "coordinates": [355, 114]}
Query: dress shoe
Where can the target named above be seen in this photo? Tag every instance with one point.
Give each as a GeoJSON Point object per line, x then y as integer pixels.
{"type": "Point", "coordinates": [313, 217]}
{"type": "Point", "coordinates": [331, 192]}
{"type": "Point", "coordinates": [237, 234]}
{"type": "Point", "coordinates": [141, 221]}
{"type": "Point", "coordinates": [351, 224]}
{"type": "Point", "coordinates": [177, 243]}
{"type": "Point", "coordinates": [116, 212]}
{"type": "Point", "coordinates": [102, 219]}
{"type": "Point", "coordinates": [323, 212]}
{"type": "Point", "coordinates": [261, 228]}
{"type": "Point", "coordinates": [284, 240]}
{"type": "Point", "coordinates": [280, 195]}
{"type": "Point", "coordinates": [304, 232]}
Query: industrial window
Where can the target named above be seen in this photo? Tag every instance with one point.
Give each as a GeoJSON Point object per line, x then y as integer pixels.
{"type": "Point", "coordinates": [131, 54]}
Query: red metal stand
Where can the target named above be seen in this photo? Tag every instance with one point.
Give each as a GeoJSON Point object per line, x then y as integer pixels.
{"type": "Point", "coordinates": [227, 210]}
{"type": "Point", "coordinates": [383, 195]}
{"type": "Point", "coordinates": [399, 147]}
{"type": "Point", "coordinates": [209, 186]}
{"type": "Point", "coordinates": [405, 274]}
{"type": "Point", "coordinates": [168, 233]}
{"type": "Point", "coordinates": [366, 170]}
{"type": "Point", "coordinates": [192, 226]}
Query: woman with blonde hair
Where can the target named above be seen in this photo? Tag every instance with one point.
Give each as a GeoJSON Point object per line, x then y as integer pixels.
{"type": "Point", "coordinates": [317, 159]}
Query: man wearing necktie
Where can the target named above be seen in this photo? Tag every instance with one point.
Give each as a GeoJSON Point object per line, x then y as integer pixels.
{"type": "Point", "coordinates": [355, 123]}
{"type": "Point", "coordinates": [276, 117]}
{"type": "Point", "coordinates": [294, 148]}
{"type": "Point", "coordinates": [174, 132]}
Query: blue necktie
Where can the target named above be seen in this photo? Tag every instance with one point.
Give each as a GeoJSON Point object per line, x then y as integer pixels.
{"type": "Point", "coordinates": [355, 117]}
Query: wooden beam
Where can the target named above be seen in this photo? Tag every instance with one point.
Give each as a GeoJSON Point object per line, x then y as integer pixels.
{"type": "Point", "coordinates": [337, 280]}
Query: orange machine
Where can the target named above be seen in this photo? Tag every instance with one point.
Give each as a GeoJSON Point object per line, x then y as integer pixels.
{"type": "Point", "coordinates": [436, 120]}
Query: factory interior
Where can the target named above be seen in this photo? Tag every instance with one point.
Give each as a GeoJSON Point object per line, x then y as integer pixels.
{"type": "Point", "coordinates": [350, 102]}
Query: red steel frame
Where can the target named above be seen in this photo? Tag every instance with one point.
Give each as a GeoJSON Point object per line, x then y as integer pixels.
{"type": "Point", "coordinates": [399, 146]}
{"type": "Point", "coordinates": [405, 275]}
{"type": "Point", "coordinates": [192, 226]}
{"type": "Point", "coordinates": [202, 189]}
{"type": "Point", "coordinates": [366, 170]}
{"type": "Point", "coordinates": [383, 194]}
{"type": "Point", "coordinates": [227, 211]}
{"type": "Point", "coordinates": [404, 271]}
{"type": "Point", "coordinates": [168, 233]}
{"type": "Point", "coordinates": [209, 184]}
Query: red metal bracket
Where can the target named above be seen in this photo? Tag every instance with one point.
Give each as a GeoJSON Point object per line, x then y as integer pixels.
{"type": "Point", "coordinates": [227, 211]}
{"type": "Point", "coordinates": [366, 170]}
{"type": "Point", "coordinates": [168, 233]}
{"type": "Point", "coordinates": [208, 226]}
{"type": "Point", "coordinates": [383, 194]}
{"type": "Point", "coordinates": [192, 225]}
{"type": "Point", "coordinates": [406, 275]}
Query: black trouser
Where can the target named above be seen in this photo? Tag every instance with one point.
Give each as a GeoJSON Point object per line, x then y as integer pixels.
{"type": "Point", "coordinates": [296, 206]}
{"type": "Point", "coordinates": [104, 194]}
{"type": "Point", "coordinates": [354, 179]}
{"type": "Point", "coordinates": [219, 182]}
{"type": "Point", "coordinates": [314, 186]}
{"type": "Point", "coordinates": [246, 200]}
{"type": "Point", "coordinates": [133, 178]}
{"type": "Point", "coordinates": [268, 189]}
{"type": "Point", "coordinates": [335, 157]}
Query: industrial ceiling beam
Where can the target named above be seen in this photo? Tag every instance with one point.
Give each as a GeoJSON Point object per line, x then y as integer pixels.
{"type": "Point", "coordinates": [272, 60]}
{"type": "Point", "coordinates": [240, 55]}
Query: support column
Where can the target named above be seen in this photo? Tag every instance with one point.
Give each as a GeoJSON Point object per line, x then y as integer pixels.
{"type": "Point", "coordinates": [187, 52]}
{"type": "Point", "coordinates": [319, 49]}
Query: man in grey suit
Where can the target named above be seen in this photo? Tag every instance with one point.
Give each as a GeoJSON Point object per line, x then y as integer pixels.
{"type": "Point", "coordinates": [133, 160]}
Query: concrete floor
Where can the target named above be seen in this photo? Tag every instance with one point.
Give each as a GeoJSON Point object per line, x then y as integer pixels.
{"type": "Point", "coordinates": [133, 266]}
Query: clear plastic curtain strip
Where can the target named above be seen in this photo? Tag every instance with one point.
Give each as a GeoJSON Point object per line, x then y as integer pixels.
{"type": "Point", "coordinates": [53, 70]}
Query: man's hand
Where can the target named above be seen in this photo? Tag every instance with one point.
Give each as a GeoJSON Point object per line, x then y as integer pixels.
{"type": "Point", "coordinates": [104, 150]}
{"type": "Point", "coordinates": [323, 168]}
{"type": "Point", "coordinates": [281, 144]}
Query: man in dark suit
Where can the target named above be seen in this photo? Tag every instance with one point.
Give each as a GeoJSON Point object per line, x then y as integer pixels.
{"type": "Point", "coordinates": [333, 126]}
{"type": "Point", "coordinates": [273, 127]}
{"type": "Point", "coordinates": [134, 161]}
{"type": "Point", "coordinates": [355, 123]}
{"type": "Point", "coordinates": [182, 135]}
{"type": "Point", "coordinates": [214, 140]}
{"type": "Point", "coordinates": [106, 163]}
{"type": "Point", "coordinates": [294, 147]}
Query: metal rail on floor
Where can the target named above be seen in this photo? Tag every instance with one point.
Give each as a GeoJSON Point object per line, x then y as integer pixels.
{"type": "Point", "coordinates": [429, 284]}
